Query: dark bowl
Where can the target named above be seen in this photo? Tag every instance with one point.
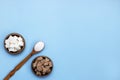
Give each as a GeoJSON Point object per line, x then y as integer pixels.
{"type": "Point", "coordinates": [46, 73]}
{"type": "Point", "coordinates": [22, 48]}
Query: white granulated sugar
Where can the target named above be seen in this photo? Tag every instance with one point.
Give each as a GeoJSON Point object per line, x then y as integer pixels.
{"type": "Point", "coordinates": [39, 46]}
{"type": "Point", "coordinates": [14, 43]}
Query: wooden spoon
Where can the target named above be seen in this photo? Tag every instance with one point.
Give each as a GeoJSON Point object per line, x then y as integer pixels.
{"type": "Point", "coordinates": [39, 46]}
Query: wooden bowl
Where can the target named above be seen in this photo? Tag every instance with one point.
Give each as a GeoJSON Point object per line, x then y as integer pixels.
{"type": "Point", "coordinates": [22, 47]}
{"type": "Point", "coordinates": [33, 68]}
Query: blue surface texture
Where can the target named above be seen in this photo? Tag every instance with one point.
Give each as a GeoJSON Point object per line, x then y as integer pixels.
{"type": "Point", "coordinates": [82, 37]}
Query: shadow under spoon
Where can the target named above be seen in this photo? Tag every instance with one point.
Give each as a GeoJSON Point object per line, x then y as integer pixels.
{"type": "Point", "coordinates": [39, 46]}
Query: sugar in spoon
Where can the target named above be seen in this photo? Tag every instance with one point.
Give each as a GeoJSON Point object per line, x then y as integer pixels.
{"type": "Point", "coordinates": [39, 46]}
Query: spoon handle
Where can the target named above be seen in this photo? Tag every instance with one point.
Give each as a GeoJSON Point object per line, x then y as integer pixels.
{"type": "Point", "coordinates": [18, 66]}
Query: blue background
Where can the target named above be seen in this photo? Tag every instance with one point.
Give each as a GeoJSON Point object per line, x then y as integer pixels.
{"type": "Point", "coordinates": [82, 37]}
